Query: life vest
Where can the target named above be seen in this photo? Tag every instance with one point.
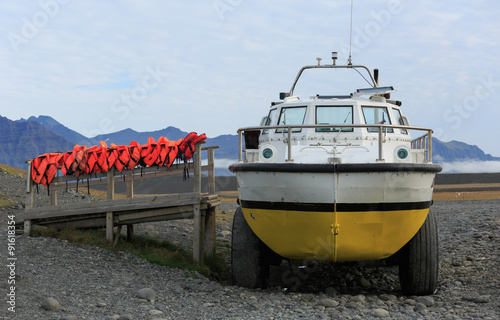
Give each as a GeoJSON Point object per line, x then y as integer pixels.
{"type": "Point", "coordinates": [186, 148]}
{"type": "Point", "coordinates": [96, 158]}
{"type": "Point", "coordinates": [122, 156]}
{"type": "Point", "coordinates": [67, 160]}
{"type": "Point", "coordinates": [134, 152]}
{"type": "Point", "coordinates": [44, 168]}
{"type": "Point", "coordinates": [188, 154]}
{"type": "Point", "coordinates": [149, 153]}
{"type": "Point", "coordinates": [111, 156]}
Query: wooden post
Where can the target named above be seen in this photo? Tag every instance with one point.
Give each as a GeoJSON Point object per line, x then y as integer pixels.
{"type": "Point", "coordinates": [130, 231]}
{"type": "Point", "coordinates": [211, 171]}
{"type": "Point", "coordinates": [111, 184]}
{"type": "Point", "coordinates": [29, 199]}
{"type": "Point", "coordinates": [53, 198]}
{"type": "Point", "coordinates": [109, 227]}
{"type": "Point", "coordinates": [198, 221]}
{"type": "Point", "coordinates": [130, 189]}
{"type": "Point", "coordinates": [209, 241]}
{"type": "Point", "coordinates": [110, 196]}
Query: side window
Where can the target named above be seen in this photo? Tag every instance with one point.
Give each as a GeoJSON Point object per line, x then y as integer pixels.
{"type": "Point", "coordinates": [334, 115]}
{"type": "Point", "coordinates": [399, 120]}
{"type": "Point", "coordinates": [376, 115]}
{"type": "Point", "coordinates": [269, 120]}
{"type": "Point", "coordinates": [291, 116]}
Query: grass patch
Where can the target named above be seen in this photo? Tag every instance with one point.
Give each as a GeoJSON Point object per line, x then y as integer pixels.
{"type": "Point", "coordinates": [163, 252]}
{"type": "Point", "coordinates": [12, 170]}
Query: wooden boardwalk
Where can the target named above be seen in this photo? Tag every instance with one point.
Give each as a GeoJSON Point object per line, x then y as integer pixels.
{"type": "Point", "coordinates": [113, 213]}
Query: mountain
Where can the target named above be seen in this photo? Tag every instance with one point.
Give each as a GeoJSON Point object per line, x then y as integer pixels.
{"type": "Point", "coordinates": [458, 151]}
{"type": "Point", "coordinates": [24, 140]}
{"type": "Point", "coordinates": [57, 128]}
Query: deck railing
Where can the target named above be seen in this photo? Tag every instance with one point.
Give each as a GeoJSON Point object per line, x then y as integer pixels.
{"type": "Point", "coordinates": [425, 141]}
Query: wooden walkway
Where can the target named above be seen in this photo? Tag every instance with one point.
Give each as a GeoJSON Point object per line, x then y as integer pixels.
{"type": "Point", "coordinates": [114, 213]}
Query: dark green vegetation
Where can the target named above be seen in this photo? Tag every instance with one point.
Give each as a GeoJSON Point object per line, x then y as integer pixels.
{"type": "Point", "coordinates": [160, 252]}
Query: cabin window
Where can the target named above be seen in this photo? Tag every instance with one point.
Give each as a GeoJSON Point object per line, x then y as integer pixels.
{"type": "Point", "coordinates": [334, 115]}
{"type": "Point", "coordinates": [292, 116]}
{"type": "Point", "coordinates": [269, 120]}
{"type": "Point", "coordinates": [376, 115]}
{"type": "Point", "coordinates": [399, 120]}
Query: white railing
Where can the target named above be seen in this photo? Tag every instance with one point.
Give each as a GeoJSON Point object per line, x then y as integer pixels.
{"type": "Point", "coordinates": [424, 142]}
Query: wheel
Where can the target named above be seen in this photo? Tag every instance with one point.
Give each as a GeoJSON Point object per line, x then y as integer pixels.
{"type": "Point", "coordinates": [419, 260]}
{"type": "Point", "coordinates": [250, 257]}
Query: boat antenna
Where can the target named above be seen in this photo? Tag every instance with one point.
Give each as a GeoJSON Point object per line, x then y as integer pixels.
{"type": "Point", "coordinates": [349, 62]}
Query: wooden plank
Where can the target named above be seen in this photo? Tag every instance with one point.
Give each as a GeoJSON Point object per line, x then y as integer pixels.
{"type": "Point", "coordinates": [53, 197]}
{"type": "Point", "coordinates": [117, 235]}
{"type": "Point", "coordinates": [29, 189]}
{"type": "Point", "coordinates": [130, 189]}
{"type": "Point", "coordinates": [125, 217]}
{"type": "Point", "coordinates": [27, 227]}
{"type": "Point", "coordinates": [211, 171]}
{"type": "Point", "coordinates": [160, 217]}
{"type": "Point", "coordinates": [197, 235]}
{"type": "Point", "coordinates": [111, 184]}
{"type": "Point", "coordinates": [137, 203]}
{"type": "Point", "coordinates": [210, 228]}
{"type": "Point", "coordinates": [109, 227]}
{"type": "Point", "coordinates": [130, 231]}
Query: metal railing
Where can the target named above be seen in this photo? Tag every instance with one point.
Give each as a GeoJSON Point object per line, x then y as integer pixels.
{"type": "Point", "coordinates": [381, 129]}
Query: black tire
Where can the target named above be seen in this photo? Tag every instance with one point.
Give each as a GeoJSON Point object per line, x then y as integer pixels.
{"type": "Point", "coordinates": [250, 257]}
{"type": "Point", "coordinates": [419, 260]}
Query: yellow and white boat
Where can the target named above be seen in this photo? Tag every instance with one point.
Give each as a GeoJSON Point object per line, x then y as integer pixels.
{"type": "Point", "coordinates": [336, 178]}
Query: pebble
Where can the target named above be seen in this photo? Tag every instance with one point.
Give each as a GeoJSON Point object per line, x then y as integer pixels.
{"type": "Point", "coordinates": [93, 283]}
{"type": "Point", "coordinates": [51, 304]}
{"type": "Point", "coordinates": [147, 294]}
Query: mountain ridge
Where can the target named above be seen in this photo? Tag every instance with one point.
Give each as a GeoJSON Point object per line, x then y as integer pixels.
{"type": "Point", "coordinates": [27, 138]}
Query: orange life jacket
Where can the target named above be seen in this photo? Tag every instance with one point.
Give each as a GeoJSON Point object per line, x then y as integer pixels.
{"type": "Point", "coordinates": [186, 148]}
{"type": "Point", "coordinates": [149, 153]}
{"type": "Point", "coordinates": [44, 168]}
{"type": "Point", "coordinates": [78, 166]}
{"type": "Point", "coordinates": [188, 154]}
{"type": "Point", "coordinates": [169, 153]}
{"type": "Point", "coordinates": [122, 158]}
{"type": "Point", "coordinates": [111, 156]}
{"type": "Point", "coordinates": [96, 158]}
{"type": "Point", "coordinates": [134, 151]}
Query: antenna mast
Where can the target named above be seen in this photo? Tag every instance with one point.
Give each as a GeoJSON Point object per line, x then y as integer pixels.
{"type": "Point", "coordinates": [349, 62]}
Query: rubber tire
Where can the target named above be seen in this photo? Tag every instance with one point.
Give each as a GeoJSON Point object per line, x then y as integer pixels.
{"type": "Point", "coordinates": [419, 260]}
{"type": "Point", "coordinates": [250, 257]}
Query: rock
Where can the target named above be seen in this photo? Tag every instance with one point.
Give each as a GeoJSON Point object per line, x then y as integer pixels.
{"type": "Point", "coordinates": [100, 304]}
{"type": "Point", "coordinates": [147, 294]}
{"type": "Point", "coordinates": [154, 312]}
{"type": "Point", "coordinates": [68, 318]}
{"type": "Point", "coordinates": [364, 283]}
{"type": "Point", "coordinates": [426, 301]}
{"type": "Point", "coordinates": [125, 317]}
{"type": "Point", "coordinates": [358, 298]}
{"type": "Point", "coordinates": [419, 307]}
{"type": "Point", "coordinates": [380, 313]}
{"type": "Point", "coordinates": [51, 304]}
{"type": "Point", "coordinates": [327, 302]}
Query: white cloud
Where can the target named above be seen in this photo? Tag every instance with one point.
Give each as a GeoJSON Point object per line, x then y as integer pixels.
{"type": "Point", "coordinates": [471, 167]}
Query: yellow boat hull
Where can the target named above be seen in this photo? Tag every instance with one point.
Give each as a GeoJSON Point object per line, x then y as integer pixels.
{"type": "Point", "coordinates": [330, 236]}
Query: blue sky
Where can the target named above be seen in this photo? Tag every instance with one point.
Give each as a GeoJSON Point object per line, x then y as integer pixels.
{"type": "Point", "coordinates": [214, 66]}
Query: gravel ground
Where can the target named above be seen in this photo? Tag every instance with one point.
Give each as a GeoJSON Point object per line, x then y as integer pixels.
{"type": "Point", "coordinates": [58, 280]}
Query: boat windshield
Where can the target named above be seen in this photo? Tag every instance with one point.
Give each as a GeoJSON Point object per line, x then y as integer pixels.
{"type": "Point", "coordinates": [334, 115]}
{"type": "Point", "coordinates": [291, 116]}
{"type": "Point", "coordinates": [269, 120]}
{"type": "Point", "coordinates": [376, 115]}
{"type": "Point", "coordinates": [399, 119]}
